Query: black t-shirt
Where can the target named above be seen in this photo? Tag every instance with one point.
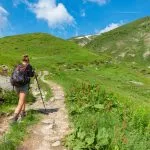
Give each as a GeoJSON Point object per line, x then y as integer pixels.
{"type": "Point", "coordinates": [30, 71]}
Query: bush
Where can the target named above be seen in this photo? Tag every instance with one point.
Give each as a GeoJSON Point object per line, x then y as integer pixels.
{"type": "Point", "coordinates": [11, 98]}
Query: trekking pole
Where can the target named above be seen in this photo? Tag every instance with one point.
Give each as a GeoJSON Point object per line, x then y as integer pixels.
{"type": "Point", "coordinates": [40, 91]}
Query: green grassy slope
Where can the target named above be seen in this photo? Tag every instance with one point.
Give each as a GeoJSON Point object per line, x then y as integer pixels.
{"type": "Point", "coordinates": [43, 48]}
{"type": "Point", "coordinates": [126, 72]}
{"type": "Point", "coordinates": [71, 65]}
{"type": "Point", "coordinates": [128, 43]}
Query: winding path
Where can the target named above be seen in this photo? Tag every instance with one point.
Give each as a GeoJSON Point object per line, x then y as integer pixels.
{"type": "Point", "coordinates": [48, 134]}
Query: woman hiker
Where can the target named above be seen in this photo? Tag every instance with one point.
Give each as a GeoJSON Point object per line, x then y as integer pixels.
{"type": "Point", "coordinates": [20, 80]}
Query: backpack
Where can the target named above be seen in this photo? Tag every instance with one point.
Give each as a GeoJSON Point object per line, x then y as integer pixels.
{"type": "Point", "coordinates": [19, 76]}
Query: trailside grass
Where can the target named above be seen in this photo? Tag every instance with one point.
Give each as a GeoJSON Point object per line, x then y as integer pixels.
{"type": "Point", "coordinates": [18, 131]}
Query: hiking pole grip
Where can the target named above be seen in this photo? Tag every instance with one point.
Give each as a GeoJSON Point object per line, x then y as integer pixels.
{"type": "Point", "coordinates": [40, 91]}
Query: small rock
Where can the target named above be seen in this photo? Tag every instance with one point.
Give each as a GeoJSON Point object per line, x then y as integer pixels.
{"type": "Point", "coordinates": [8, 114]}
{"type": "Point", "coordinates": [55, 144]}
{"type": "Point", "coordinates": [51, 126]}
{"type": "Point", "coordinates": [47, 122]}
{"type": "Point", "coordinates": [52, 99]}
{"type": "Point", "coordinates": [34, 132]}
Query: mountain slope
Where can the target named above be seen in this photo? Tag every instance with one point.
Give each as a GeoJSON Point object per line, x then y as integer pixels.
{"type": "Point", "coordinates": [42, 48]}
{"type": "Point", "coordinates": [128, 43]}
{"type": "Point", "coordinates": [83, 40]}
{"type": "Point", "coordinates": [107, 102]}
{"type": "Point", "coordinates": [70, 63]}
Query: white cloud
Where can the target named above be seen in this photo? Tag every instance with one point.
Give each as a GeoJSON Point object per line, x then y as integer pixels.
{"type": "Point", "coordinates": [3, 20]}
{"type": "Point", "coordinates": [56, 15]}
{"type": "Point", "coordinates": [111, 27]}
{"type": "Point", "coordinates": [17, 2]}
{"type": "Point", "coordinates": [100, 2]}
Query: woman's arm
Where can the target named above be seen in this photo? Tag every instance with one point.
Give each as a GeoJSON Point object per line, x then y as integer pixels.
{"type": "Point", "coordinates": [30, 71]}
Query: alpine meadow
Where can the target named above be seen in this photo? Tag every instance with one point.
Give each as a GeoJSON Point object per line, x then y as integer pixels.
{"type": "Point", "coordinates": [106, 81]}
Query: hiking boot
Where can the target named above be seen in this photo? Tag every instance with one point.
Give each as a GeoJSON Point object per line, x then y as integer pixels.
{"type": "Point", "coordinates": [22, 114]}
{"type": "Point", "coordinates": [13, 119]}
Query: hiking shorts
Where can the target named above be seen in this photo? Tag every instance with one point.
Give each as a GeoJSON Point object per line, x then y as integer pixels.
{"type": "Point", "coordinates": [23, 89]}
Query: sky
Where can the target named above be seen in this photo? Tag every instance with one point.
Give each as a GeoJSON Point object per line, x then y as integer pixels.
{"type": "Point", "coordinates": [68, 18]}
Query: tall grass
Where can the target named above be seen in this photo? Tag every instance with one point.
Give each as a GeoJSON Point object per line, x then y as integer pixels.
{"type": "Point", "coordinates": [102, 122]}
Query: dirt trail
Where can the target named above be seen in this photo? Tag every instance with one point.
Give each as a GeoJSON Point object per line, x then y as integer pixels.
{"type": "Point", "coordinates": [3, 125]}
{"type": "Point", "coordinates": [4, 84]}
{"type": "Point", "coordinates": [48, 134]}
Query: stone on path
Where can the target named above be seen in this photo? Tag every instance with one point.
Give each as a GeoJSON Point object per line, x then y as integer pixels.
{"type": "Point", "coordinates": [57, 143]}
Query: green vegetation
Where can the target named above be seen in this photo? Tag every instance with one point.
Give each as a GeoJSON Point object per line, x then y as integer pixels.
{"type": "Point", "coordinates": [128, 43]}
{"type": "Point", "coordinates": [45, 50]}
{"type": "Point", "coordinates": [101, 121]}
{"type": "Point", "coordinates": [45, 88]}
{"type": "Point", "coordinates": [17, 131]}
{"type": "Point", "coordinates": [47, 91]}
{"type": "Point", "coordinates": [112, 115]}
{"type": "Point", "coordinates": [10, 100]}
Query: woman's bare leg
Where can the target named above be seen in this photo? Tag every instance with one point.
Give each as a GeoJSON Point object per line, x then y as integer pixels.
{"type": "Point", "coordinates": [23, 113]}
{"type": "Point", "coordinates": [21, 103]}
{"type": "Point", "coordinates": [24, 106]}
